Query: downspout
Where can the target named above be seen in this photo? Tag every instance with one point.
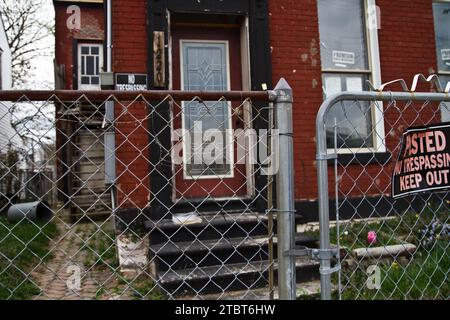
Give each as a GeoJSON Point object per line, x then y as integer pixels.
{"type": "Point", "coordinates": [109, 36]}
{"type": "Point", "coordinates": [110, 135]}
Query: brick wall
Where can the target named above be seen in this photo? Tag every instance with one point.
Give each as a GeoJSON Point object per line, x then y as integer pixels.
{"type": "Point", "coordinates": [407, 47]}
{"type": "Point", "coordinates": [92, 29]}
{"type": "Point", "coordinates": [130, 56]}
{"type": "Point", "coordinates": [294, 34]}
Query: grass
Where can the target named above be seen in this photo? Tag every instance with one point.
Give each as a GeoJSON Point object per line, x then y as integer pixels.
{"type": "Point", "coordinates": [139, 288]}
{"type": "Point", "coordinates": [100, 254]}
{"type": "Point", "coordinates": [100, 248]}
{"type": "Point", "coordinates": [425, 277]}
{"type": "Point", "coordinates": [22, 248]}
{"type": "Point", "coordinates": [355, 236]}
{"type": "Point", "coordinates": [404, 228]}
{"type": "Point", "coordinates": [145, 289]}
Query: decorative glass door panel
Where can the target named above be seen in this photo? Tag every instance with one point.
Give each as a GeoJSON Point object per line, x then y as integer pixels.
{"type": "Point", "coordinates": [205, 68]}
{"type": "Point", "coordinates": [207, 59]}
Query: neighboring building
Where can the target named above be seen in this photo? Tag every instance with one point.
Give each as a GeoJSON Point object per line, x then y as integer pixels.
{"type": "Point", "coordinates": [78, 63]}
{"type": "Point", "coordinates": [8, 135]}
{"type": "Point", "coordinates": [10, 143]}
{"type": "Point", "coordinates": [321, 47]}
{"type": "Point", "coordinates": [21, 177]}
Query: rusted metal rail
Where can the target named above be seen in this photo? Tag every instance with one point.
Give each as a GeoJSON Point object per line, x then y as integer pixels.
{"type": "Point", "coordinates": [151, 95]}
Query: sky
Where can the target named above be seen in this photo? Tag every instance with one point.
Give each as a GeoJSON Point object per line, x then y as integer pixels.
{"type": "Point", "coordinates": [42, 76]}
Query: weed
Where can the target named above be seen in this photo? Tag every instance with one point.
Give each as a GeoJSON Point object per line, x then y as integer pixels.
{"type": "Point", "coordinates": [23, 247]}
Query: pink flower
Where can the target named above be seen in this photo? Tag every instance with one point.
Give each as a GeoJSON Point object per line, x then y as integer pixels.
{"type": "Point", "coordinates": [371, 237]}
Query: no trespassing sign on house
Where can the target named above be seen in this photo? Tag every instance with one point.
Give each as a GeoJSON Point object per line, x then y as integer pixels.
{"type": "Point", "coordinates": [424, 161]}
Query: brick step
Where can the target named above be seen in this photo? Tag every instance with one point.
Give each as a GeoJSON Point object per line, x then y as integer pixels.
{"type": "Point", "coordinates": [82, 209]}
{"type": "Point", "coordinates": [94, 188]}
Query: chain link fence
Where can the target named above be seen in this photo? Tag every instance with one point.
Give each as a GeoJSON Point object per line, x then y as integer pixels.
{"type": "Point", "coordinates": [375, 246]}
{"type": "Point", "coordinates": [181, 195]}
{"type": "Point", "coordinates": [154, 195]}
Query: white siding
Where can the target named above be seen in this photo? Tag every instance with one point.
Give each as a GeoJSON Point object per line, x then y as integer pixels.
{"type": "Point", "coordinates": [7, 133]}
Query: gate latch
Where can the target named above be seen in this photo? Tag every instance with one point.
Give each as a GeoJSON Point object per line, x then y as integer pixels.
{"type": "Point", "coordinates": [315, 254]}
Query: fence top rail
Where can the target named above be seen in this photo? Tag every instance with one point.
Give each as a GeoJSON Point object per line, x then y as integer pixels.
{"type": "Point", "coordinates": [150, 95]}
{"type": "Point", "coordinates": [367, 96]}
{"type": "Point", "coordinates": [377, 96]}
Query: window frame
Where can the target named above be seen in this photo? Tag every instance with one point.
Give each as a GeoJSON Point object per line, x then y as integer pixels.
{"type": "Point", "coordinates": [79, 64]}
{"type": "Point", "coordinates": [373, 73]}
{"type": "Point", "coordinates": [439, 72]}
{"type": "Point", "coordinates": [446, 73]}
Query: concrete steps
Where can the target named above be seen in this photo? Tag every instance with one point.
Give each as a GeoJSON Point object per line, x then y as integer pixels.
{"type": "Point", "coordinates": [221, 251]}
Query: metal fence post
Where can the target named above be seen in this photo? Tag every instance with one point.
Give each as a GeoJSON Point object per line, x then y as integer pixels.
{"type": "Point", "coordinates": [322, 185]}
{"type": "Point", "coordinates": [285, 192]}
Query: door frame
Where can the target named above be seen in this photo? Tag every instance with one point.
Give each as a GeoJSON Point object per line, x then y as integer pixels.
{"type": "Point", "coordinates": [229, 134]}
{"type": "Point", "coordinates": [257, 12]}
{"type": "Point", "coordinates": [247, 114]}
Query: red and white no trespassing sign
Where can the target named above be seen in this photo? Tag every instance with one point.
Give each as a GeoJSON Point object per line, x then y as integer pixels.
{"type": "Point", "coordinates": [424, 161]}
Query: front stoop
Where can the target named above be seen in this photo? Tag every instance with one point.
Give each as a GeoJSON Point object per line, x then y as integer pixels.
{"type": "Point", "coordinates": [223, 254]}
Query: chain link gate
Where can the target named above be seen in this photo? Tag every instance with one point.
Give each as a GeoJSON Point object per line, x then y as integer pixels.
{"type": "Point", "coordinates": [372, 246]}
{"type": "Point", "coordinates": [133, 209]}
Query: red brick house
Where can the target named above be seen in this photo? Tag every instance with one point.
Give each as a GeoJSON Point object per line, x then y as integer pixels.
{"type": "Point", "coordinates": [319, 46]}
{"type": "Point", "coordinates": [284, 36]}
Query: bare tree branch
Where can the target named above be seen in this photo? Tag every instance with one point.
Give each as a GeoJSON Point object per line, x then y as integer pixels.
{"type": "Point", "coordinates": [27, 29]}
